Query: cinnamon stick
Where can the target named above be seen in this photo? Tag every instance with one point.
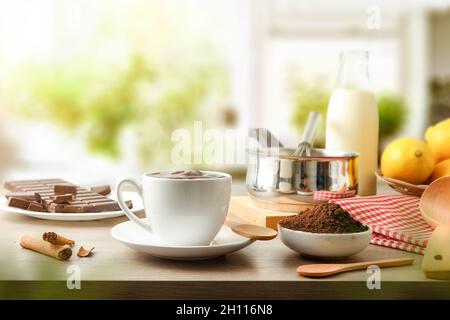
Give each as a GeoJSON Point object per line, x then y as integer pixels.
{"type": "Point", "coordinates": [55, 251]}
{"type": "Point", "coordinates": [57, 239]}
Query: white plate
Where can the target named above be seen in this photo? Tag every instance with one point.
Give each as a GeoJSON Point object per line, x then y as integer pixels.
{"type": "Point", "coordinates": [133, 196]}
{"type": "Point", "coordinates": [140, 240]}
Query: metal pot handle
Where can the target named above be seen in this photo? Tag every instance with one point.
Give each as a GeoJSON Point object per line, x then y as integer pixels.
{"type": "Point", "coordinates": [264, 137]}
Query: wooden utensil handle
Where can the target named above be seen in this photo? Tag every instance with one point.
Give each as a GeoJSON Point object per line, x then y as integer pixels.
{"type": "Point", "coordinates": [380, 263]}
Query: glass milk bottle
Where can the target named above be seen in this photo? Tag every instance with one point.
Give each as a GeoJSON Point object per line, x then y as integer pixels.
{"type": "Point", "coordinates": [352, 119]}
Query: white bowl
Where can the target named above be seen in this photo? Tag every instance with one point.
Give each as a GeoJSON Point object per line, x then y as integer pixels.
{"type": "Point", "coordinates": [325, 245]}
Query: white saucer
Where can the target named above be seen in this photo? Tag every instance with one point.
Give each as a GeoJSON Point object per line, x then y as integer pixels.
{"type": "Point", "coordinates": [133, 196]}
{"type": "Point", "coordinates": [140, 240]}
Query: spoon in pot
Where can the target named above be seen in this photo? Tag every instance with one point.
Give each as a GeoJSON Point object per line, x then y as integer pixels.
{"type": "Point", "coordinates": [304, 148]}
{"type": "Point", "coordinates": [329, 269]}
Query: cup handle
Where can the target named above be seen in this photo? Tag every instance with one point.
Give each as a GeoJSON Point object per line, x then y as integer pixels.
{"type": "Point", "coordinates": [124, 207]}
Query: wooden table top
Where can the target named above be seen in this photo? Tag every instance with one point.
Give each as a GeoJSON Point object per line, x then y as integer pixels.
{"type": "Point", "coordinates": [262, 270]}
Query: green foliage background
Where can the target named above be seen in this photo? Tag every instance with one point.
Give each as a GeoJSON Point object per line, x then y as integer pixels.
{"type": "Point", "coordinates": [99, 101]}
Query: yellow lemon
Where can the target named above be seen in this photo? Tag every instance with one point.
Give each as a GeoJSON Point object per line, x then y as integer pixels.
{"type": "Point", "coordinates": [438, 138]}
{"type": "Point", "coordinates": [408, 159]}
{"type": "Point", "coordinates": [442, 169]}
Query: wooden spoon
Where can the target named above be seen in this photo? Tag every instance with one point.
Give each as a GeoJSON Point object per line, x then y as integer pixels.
{"type": "Point", "coordinates": [325, 270]}
{"type": "Point", "coordinates": [251, 231]}
{"type": "Point", "coordinates": [254, 232]}
{"type": "Point", "coordinates": [435, 203]}
{"type": "Point", "coordinates": [435, 208]}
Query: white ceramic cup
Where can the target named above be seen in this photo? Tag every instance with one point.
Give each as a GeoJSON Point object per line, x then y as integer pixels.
{"type": "Point", "coordinates": [181, 212]}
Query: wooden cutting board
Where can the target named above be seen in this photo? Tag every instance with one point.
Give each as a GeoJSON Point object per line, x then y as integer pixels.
{"type": "Point", "coordinates": [244, 208]}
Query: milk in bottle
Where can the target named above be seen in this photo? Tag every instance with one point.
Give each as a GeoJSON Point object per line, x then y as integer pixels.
{"type": "Point", "coordinates": [352, 119]}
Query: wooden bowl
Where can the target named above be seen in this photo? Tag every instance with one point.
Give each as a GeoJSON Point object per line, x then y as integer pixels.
{"type": "Point", "coordinates": [403, 187]}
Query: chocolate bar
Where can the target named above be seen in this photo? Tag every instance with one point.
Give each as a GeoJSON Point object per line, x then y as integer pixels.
{"type": "Point", "coordinates": [58, 195]}
{"type": "Point", "coordinates": [30, 196]}
{"type": "Point", "coordinates": [25, 204]}
{"type": "Point", "coordinates": [105, 206]}
{"type": "Point", "coordinates": [20, 185]}
{"type": "Point", "coordinates": [70, 208]}
{"type": "Point", "coordinates": [65, 188]}
{"type": "Point", "coordinates": [19, 203]}
{"type": "Point", "coordinates": [34, 206]}
{"type": "Point", "coordinates": [62, 198]}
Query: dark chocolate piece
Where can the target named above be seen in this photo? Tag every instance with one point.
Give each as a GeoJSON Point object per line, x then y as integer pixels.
{"type": "Point", "coordinates": [46, 202]}
{"type": "Point", "coordinates": [103, 190]}
{"type": "Point", "coordinates": [87, 208]}
{"type": "Point", "coordinates": [62, 198]}
{"type": "Point", "coordinates": [69, 208]}
{"type": "Point", "coordinates": [65, 188]}
{"type": "Point", "coordinates": [106, 206]}
{"type": "Point", "coordinates": [54, 207]}
{"type": "Point", "coordinates": [65, 208]}
{"type": "Point", "coordinates": [18, 203]}
{"type": "Point", "coordinates": [34, 206]}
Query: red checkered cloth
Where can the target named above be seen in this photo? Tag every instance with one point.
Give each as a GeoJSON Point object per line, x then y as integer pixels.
{"type": "Point", "coordinates": [395, 219]}
{"type": "Point", "coordinates": [328, 195]}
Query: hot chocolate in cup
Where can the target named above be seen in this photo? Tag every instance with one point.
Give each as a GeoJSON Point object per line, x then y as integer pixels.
{"type": "Point", "coordinates": [182, 208]}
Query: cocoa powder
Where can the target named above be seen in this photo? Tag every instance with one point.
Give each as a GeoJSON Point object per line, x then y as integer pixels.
{"type": "Point", "coordinates": [324, 218]}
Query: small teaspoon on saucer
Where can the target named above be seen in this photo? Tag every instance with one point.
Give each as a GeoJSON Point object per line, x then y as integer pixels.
{"type": "Point", "coordinates": [252, 231]}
